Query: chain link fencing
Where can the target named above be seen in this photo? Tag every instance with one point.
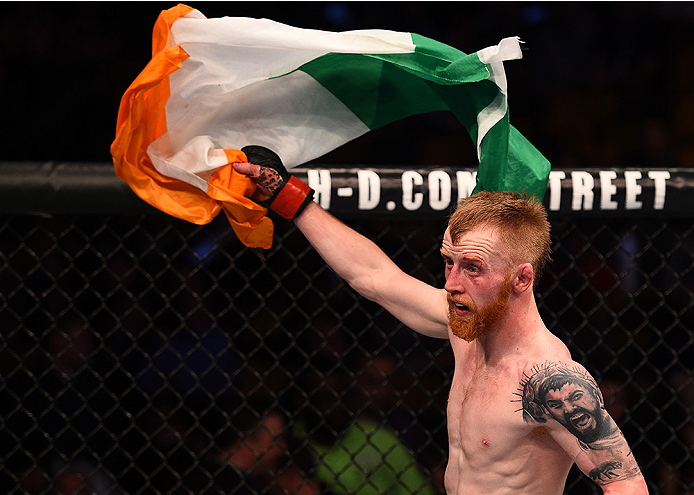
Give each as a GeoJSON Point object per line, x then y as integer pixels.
{"type": "Point", "coordinates": [141, 354]}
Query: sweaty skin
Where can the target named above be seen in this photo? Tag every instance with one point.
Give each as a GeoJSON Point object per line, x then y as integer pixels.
{"type": "Point", "coordinates": [520, 411]}
{"type": "Point", "coordinates": [492, 448]}
{"type": "Point", "coordinates": [495, 445]}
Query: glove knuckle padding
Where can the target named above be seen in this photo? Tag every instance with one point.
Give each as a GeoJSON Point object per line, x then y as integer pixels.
{"type": "Point", "coordinates": [292, 195]}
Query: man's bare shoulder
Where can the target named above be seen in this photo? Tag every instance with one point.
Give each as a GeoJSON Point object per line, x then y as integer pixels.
{"type": "Point", "coordinates": [544, 348]}
{"type": "Point", "coordinates": [551, 348]}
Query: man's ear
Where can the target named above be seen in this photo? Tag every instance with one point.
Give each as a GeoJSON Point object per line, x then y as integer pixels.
{"type": "Point", "coordinates": [524, 278]}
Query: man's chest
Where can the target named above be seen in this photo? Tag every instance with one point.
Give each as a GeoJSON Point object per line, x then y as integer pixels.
{"type": "Point", "coordinates": [484, 412]}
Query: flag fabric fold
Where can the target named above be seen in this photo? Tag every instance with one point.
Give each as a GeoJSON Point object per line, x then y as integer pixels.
{"type": "Point", "coordinates": [214, 86]}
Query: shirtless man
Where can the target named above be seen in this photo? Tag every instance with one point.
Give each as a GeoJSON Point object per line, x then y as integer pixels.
{"type": "Point", "coordinates": [521, 412]}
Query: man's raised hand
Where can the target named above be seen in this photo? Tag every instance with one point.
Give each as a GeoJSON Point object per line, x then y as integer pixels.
{"type": "Point", "coordinates": [283, 193]}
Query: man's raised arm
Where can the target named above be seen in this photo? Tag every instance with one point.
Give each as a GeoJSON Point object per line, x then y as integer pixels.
{"type": "Point", "coordinates": [367, 269]}
{"type": "Point", "coordinates": [359, 261]}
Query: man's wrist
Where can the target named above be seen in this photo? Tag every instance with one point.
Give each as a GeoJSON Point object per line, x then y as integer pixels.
{"type": "Point", "coordinates": [289, 195]}
{"type": "Point", "coordinates": [292, 198]}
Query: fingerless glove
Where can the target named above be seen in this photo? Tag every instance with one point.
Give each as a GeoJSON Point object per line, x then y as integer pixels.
{"type": "Point", "coordinates": [289, 194]}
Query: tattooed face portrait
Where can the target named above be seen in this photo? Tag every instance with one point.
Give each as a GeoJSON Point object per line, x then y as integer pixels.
{"type": "Point", "coordinates": [570, 397]}
{"type": "Point", "coordinates": [575, 406]}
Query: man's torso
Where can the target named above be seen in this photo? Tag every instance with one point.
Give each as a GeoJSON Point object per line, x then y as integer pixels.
{"type": "Point", "coordinates": [493, 449]}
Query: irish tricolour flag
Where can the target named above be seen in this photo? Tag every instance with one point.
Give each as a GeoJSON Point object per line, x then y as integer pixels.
{"type": "Point", "coordinates": [214, 86]}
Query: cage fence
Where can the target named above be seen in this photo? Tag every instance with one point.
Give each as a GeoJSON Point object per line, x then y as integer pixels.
{"type": "Point", "coordinates": [143, 354]}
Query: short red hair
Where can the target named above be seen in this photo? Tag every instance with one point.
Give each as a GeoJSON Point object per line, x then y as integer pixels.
{"type": "Point", "coordinates": [521, 222]}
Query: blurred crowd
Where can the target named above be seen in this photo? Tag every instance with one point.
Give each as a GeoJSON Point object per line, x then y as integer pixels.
{"type": "Point", "coordinates": [175, 415]}
{"type": "Point", "coordinates": [150, 364]}
{"type": "Point", "coordinates": [179, 379]}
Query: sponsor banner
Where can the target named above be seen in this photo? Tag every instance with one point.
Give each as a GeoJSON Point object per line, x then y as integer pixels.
{"type": "Point", "coordinates": [429, 192]}
{"type": "Point", "coordinates": [398, 193]}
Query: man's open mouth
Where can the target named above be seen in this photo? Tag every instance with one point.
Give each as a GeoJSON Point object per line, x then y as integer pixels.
{"type": "Point", "coordinates": [459, 308]}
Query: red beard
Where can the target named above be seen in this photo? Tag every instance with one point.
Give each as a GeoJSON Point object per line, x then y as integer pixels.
{"type": "Point", "coordinates": [479, 322]}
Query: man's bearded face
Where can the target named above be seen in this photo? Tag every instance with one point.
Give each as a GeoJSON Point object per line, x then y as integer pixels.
{"type": "Point", "coordinates": [478, 322]}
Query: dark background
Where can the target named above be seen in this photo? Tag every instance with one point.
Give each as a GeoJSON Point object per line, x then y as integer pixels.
{"type": "Point", "coordinates": [601, 84]}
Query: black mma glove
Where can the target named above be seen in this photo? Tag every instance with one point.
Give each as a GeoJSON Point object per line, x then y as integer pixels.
{"type": "Point", "coordinates": [289, 195]}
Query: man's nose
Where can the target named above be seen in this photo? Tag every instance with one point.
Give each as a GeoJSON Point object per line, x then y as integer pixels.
{"type": "Point", "coordinates": [453, 282]}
